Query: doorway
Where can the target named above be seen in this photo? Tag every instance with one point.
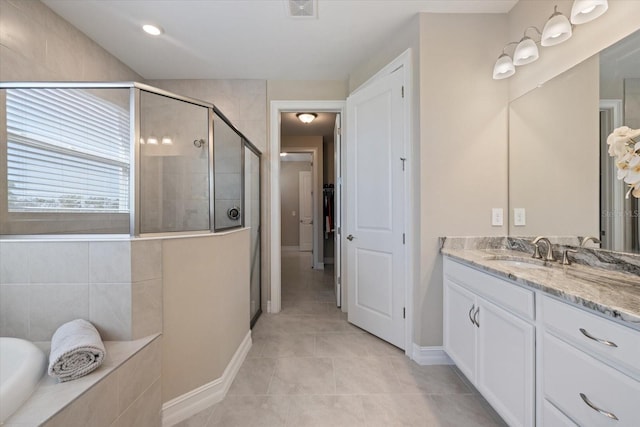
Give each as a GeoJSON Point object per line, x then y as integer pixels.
{"type": "Point", "coordinates": [281, 113]}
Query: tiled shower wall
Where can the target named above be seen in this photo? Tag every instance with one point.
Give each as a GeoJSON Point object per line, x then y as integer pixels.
{"type": "Point", "coordinates": [117, 285]}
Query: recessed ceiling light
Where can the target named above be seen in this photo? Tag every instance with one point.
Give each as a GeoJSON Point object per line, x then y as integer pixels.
{"type": "Point", "coordinates": [154, 30]}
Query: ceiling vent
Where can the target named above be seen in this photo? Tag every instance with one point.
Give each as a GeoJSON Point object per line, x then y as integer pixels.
{"type": "Point", "coordinates": [302, 8]}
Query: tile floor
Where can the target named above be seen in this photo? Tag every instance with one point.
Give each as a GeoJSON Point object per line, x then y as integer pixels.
{"type": "Point", "coordinates": [309, 367]}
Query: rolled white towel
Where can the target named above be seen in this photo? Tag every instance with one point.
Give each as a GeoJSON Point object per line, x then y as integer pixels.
{"type": "Point", "coordinates": [76, 350]}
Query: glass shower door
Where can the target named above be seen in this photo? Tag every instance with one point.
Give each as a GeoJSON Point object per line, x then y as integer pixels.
{"type": "Point", "coordinates": [174, 156]}
{"type": "Point", "coordinates": [252, 221]}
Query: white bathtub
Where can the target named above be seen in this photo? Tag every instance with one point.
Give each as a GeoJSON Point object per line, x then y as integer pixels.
{"type": "Point", "coordinates": [21, 366]}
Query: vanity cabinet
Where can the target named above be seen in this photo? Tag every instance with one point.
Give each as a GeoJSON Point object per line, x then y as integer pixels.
{"type": "Point", "coordinates": [589, 366]}
{"type": "Point", "coordinates": [489, 334]}
{"type": "Point", "coordinates": [536, 359]}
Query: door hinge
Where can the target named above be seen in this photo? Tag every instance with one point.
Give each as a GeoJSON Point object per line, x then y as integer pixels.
{"type": "Point", "coordinates": [339, 280]}
{"type": "Point", "coordinates": [403, 91]}
{"type": "Point", "coordinates": [403, 160]}
{"type": "Point", "coordinates": [404, 312]}
{"type": "Point", "coordinates": [338, 230]}
{"type": "Point", "coordinates": [403, 239]}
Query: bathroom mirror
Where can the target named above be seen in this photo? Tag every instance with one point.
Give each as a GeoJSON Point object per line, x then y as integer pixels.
{"type": "Point", "coordinates": [560, 172]}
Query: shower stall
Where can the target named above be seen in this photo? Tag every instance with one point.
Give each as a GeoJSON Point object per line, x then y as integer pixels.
{"type": "Point", "coordinates": [124, 158]}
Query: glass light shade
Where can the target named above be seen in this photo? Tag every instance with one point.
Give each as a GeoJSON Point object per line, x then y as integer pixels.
{"type": "Point", "coordinates": [587, 10]}
{"type": "Point", "coordinates": [306, 117]}
{"type": "Point", "coordinates": [526, 52]}
{"type": "Point", "coordinates": [504, 67]}
{"type": "Point", "coordinates": [556, 30]}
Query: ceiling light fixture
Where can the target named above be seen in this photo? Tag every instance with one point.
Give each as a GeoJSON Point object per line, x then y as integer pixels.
{"type": "Point", "coordinates": [306, 117]}
{"type": "Point", "coordinates": [283, 154]}
{"type": "Point", "coordinates": [556, 30]}
{"type": "Point", "coordinates": [584, 11]}
{"type": "Point", "coordinates": [153, 30]}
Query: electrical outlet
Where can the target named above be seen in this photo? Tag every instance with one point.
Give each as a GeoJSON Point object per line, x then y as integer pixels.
{"type": "Point", "coordinates": [519, 217]}
{"type": "Point", "coordinates": [497, 216]}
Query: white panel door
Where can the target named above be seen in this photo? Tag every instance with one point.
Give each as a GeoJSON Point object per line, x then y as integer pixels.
{"type": "Point", "coordinates": [305, 201]}
{"type": "Point", "coordinates": [374, 211]}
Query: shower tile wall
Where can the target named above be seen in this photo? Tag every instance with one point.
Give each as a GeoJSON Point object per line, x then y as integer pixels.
{"type": "Point", "coordinates": [243, 102]}
{"type": "Point", "coordinates": [116, 285]}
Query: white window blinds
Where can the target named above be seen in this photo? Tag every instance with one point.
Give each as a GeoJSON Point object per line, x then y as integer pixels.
{"type": "Point", "coordinates": [67, 150]}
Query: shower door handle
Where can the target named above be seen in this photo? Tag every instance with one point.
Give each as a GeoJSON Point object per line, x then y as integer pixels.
{"type": "Point", "coordinates": [350, 237]}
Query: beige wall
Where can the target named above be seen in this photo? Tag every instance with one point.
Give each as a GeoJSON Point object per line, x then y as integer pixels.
{"type": "Point", "coordinates": [206, 308]}
{"type": "Point", "coordinates": [554, 155]}
{"type": "Point", "coordinates": [588, 39]}
{"type": "Point", "coordinates": [38, 45]}
{"type": "Point", "coordinates": [290, 201]}
{"type": "Point", "coordinates": [463, 134]}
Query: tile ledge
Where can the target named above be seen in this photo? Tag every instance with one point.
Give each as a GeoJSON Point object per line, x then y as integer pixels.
{"type": "Point", "coordinates": [51, 397]}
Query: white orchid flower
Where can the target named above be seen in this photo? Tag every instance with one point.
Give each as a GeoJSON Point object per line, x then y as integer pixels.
{"type": "Point", "coordinates": [633, 171]}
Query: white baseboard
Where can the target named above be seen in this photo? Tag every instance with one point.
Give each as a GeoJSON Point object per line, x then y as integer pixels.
{"type": "Point", "coordinates": [290, 248]}
{"type": "Point", "coordinates": [269, 306]}
{"type": "Point", "coordinates": [190, 403]}
{"type": "Point", "coordinates": [433, 355]}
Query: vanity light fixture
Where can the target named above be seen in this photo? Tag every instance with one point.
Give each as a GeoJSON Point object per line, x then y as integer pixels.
{"type": "Point", "coordinates": [584, 11]}
{"type": "Point", "coordinates": [526, 51]}
{"type": "Point", "coordinates": [166, 141]}
{"type": "Point", "coordinates": [152, 141]}
{"type": "Point", "coordinates": [556, 30]}
{"type": "Point", "coordinates": [306, 117]}
{"type": "Point", "coordinates": [153, 30]}
{"type": "Point", "coordinates": [283, 154]}
{"type": "Point", "coordinates": [504, 67]}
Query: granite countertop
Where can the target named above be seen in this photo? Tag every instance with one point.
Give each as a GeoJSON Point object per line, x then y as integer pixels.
{"type": "Point", "coordinates": [613, 292]}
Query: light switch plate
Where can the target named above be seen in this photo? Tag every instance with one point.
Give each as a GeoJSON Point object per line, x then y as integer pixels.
{"type": "Point", "coordinates": [519, 217]}
{"type": "Point", "coordinates": [497, 215]}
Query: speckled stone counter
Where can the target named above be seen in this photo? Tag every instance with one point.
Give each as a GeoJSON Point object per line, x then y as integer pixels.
{"type": "Point", "coordinates": [603, 281]}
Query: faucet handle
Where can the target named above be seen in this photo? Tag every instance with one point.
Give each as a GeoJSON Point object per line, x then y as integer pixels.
{"type": "Point", "coordinates": [536, 252]}
{"type": "Point", "coordinates": [586, 240]}
{"type": "Point", "coordinates": [565, 256]}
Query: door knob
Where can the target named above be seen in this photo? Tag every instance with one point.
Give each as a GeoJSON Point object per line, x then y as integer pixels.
{"type": "Point", "coordinates": [350, 237]}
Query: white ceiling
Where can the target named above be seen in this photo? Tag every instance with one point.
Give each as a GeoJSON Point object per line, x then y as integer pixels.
{"type": "Point", "coordinates": [323, 125]}
{"type": "Point", "coordinates": [250, 39]}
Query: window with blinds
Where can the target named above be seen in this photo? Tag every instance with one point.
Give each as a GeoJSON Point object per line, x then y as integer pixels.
{"type": "Point", "coordinates": [68, 150]}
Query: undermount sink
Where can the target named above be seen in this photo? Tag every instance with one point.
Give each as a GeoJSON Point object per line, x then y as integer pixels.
{"type": "Point", "coordinates": [519, 262]}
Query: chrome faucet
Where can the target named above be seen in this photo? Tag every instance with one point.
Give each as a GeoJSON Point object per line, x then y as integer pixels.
{"type": "Point", "coordinates": [536, 253]}
{"type": "Point", "coordinates": [587, 239]}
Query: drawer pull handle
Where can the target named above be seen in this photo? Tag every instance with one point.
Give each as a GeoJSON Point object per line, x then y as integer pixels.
{"type": "Point", "coordinates": [470, 315]}
{"type": "Point", "coordinates": [475, 317]}
{"type": "Point", "coordinates": [595, 408]}
{"type": "Point", "coordinates": [601, 341]}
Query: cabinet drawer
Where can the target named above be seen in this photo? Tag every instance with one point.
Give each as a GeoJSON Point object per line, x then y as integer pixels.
{"type": "Point", "coordinates": [505, 294]}
{"type": "Point", "coordinates": [572, 380]}
{"type": "Point", "coordinates": [552, 417]}
{"type": "Point", "coordinates": [575, 325]}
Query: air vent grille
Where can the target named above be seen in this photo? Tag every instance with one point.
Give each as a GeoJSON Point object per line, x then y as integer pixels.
{"type": "Point", "coordinates": [302, 8]}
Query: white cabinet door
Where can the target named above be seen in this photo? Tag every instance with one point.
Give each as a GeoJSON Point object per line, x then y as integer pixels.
{"type": "Point", "coordinates": [459, 329]}
{"type": "Point", "coordinates": [505, 363]}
